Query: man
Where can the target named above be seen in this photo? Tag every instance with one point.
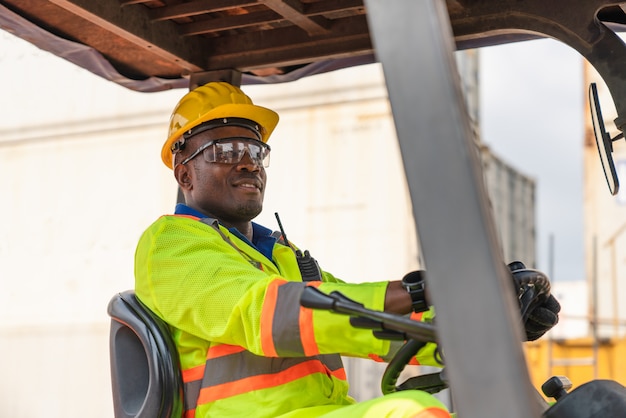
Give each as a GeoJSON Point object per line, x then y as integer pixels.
{"type": "Point", "coordinates": [230, 289]}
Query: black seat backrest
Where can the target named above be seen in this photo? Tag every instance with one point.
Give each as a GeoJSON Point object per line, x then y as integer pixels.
{"type": "Point", "coordinates": [145, 371]}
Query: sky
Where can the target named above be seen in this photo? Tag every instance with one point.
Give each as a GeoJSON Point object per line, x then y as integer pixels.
{"type": "Point", "coordinates": [532, 104]}
{"type": "Point", "coordinates": [531, 115]}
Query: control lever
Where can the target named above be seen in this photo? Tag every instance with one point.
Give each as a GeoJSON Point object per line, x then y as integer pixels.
{"type": "Point", "coordinates": [337, 302]}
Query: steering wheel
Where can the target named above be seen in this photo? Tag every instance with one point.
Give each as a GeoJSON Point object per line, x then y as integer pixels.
{"type": "Point", "coordinates": [532, 288]}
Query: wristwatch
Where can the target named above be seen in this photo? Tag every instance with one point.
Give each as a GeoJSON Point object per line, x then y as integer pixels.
{"type": "Point", "coordinates": [415, 284]}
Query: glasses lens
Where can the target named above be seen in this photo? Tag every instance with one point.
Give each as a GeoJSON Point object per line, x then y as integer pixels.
{"type": "Point", "coordinates": [231, 151]}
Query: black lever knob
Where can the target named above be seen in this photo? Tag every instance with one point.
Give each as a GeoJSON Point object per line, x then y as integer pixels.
{"type": "Point", "coordinates": [556, 387]}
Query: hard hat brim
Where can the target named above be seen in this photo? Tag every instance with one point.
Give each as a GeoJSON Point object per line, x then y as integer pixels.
{"type": "Point", "coordinates": [266, 118]}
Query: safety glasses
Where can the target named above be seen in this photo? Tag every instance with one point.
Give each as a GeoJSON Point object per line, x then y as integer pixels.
{"type": "Point", "coordinates": [231, 150]}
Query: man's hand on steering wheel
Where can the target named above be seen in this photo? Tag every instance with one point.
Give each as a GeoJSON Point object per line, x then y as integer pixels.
{"type": "Point", "coordinates": [542, 319]}
{"type": "Point", "coordinates": [539, 309]}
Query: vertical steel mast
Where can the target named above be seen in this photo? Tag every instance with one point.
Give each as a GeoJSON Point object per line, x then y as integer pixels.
{"type": "Point", "coordinates": [476, 312]}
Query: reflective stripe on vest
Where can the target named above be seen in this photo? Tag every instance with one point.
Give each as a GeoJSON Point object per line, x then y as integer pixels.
{"type": "Point", "coordinates": [290, 332]}
{"type": "Point", "coordinates": [290, 351]}
{"type": "Point", "coordinates": [231, 370]}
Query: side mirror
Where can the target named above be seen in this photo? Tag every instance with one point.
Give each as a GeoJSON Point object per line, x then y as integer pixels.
{"type": "Point", "coordinates": [604, 141]}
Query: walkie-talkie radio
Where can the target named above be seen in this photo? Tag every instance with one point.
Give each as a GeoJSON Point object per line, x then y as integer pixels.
{"type": "Point", "coordinates": [309, 269]}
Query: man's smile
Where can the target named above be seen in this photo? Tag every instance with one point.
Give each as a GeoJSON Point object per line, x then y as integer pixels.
{"type": "Point", "coordinates": [250, 184]}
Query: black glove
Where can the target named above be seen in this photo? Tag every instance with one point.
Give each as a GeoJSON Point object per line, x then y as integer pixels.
{"type": "Point", "coordinates": [542, 314]}
{"type": "Point", "coordinates": [542, 318]}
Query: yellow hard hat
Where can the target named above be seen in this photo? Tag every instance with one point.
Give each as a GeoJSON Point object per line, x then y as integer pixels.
{"type": "Point", "coordinates": [215, 100]}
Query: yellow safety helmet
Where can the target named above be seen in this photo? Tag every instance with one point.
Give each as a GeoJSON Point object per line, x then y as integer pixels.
{"type": "Point", "coordinates": [215, 100]}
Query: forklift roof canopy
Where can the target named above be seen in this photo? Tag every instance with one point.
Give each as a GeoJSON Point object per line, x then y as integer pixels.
{"type": "Point", "coordinates": [153, 45]}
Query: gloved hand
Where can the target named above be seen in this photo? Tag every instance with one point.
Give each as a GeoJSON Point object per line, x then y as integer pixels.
{"type": "Point", "coordinates": [542, 319]}
{"type": "Point", "coordinates": [543, 315]}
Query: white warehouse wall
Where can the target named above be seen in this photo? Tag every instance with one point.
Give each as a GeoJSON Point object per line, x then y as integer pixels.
{"type": "Point", "coordinates": [81, 177]}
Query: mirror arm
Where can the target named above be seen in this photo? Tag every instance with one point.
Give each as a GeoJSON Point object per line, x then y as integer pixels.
{"type": "Point", "coordinates": [617, 137]}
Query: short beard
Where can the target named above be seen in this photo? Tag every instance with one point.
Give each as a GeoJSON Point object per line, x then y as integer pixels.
{"type": "Point", "coordinates": [249, 210]}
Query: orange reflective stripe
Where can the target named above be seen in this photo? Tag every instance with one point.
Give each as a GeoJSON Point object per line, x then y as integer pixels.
{"type": "Point", "coordinates": [267, 318]}
{"type": "Point", "coordinates": [216, 351]}
{"type": "Point", "coordinates": [339, 374]}
{"type": "Point", "coordinates": [185, 216]}
{"type": "Point", "coordinates": [307, 332]}
{"type": "Point", "coordinates": [416, 316]}
{"type": "Point", "coordinates": [432, 412]}
{"type": "Point", "coordinates": [195, 373]}
{"type": "Point", "coordinates": [376, 357]}
{"type": "Point", "coordinates": [190, 413]}
{"type": "Point", "coordinates": [226, 390]}
{"type": "Point", "coordinates": [314, 284]}
{"type": "Point", "coordinates": [414, 362]}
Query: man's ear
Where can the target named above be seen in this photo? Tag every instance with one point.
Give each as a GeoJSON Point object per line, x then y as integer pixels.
{"type": "Point", "coordinates": [181, 172]}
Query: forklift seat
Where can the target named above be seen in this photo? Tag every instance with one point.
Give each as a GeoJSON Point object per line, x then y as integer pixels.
{"type": "Point", "coordinates": [145, 370]}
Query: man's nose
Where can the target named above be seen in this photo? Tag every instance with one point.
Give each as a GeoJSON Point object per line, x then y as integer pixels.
{"type": "Point", "coordinates": [247, 161]}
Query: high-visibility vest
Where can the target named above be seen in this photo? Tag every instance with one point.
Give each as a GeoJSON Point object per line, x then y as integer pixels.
{"type": "Point", "coordinates": [246, 346]}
